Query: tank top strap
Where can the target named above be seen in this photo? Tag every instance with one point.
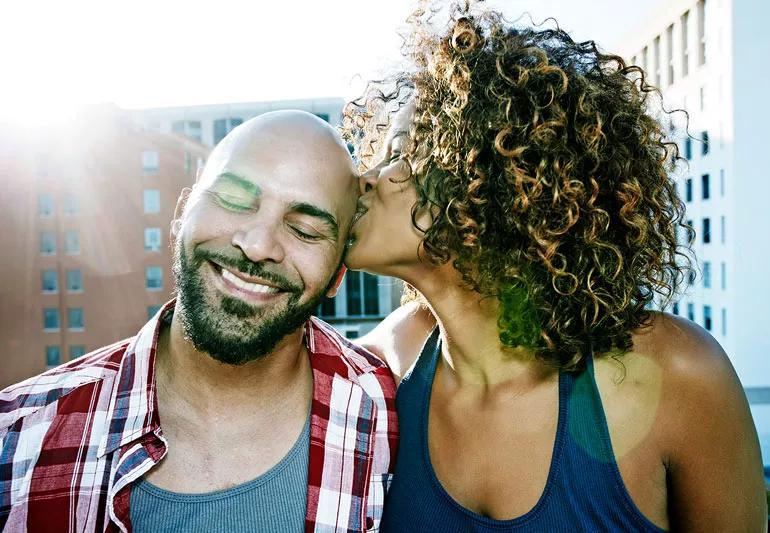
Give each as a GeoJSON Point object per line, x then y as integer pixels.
{"type": "Point", "coordinates": [587, 424]}
{"type": "Point", "coordinates": [421, 373]}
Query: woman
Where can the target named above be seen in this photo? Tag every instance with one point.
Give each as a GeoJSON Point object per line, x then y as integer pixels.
{"type": "Point", "coordinates": [523, 191]}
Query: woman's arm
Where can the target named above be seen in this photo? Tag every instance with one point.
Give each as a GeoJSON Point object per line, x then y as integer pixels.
{"type": "Point", "coordinates": [399, 338]}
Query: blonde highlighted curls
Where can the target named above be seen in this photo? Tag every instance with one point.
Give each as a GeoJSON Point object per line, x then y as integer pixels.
{"type": "Point", "coordinates": [546, 175]}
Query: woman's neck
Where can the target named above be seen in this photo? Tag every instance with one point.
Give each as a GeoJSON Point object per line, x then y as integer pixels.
{"type": "Point", "coordinates": [468, 322]}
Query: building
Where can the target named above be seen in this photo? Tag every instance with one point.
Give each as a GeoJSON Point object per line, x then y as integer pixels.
{"type": "Point", "coordinates": [89, 203]}
{"type": "Point", "coordinates": [708, 57]}
{"type": "Point", "coordinates": [208, 124]}
{"type": "Point", "coordinates": [86, 258]}
{"type": "Point", "coordinates": [363, 299]}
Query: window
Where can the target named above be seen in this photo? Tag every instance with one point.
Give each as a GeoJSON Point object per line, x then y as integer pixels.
{"type": "Point", "coordinates": [75, 318]}
{"type": "Point", "coordinates": [690, 232]}
{"type": "Point", "coordinates": [152, 310]}
{"type": "Point", "coordinates": [71, 242]}
{"type": "Point", "coordinates": [151, 200]}
{"type": "Point", "coordinates": [691, 312]}
{"type": "Point", "coordinates": [723, 275]}
{"type": "Point", "coordinates": [223, 126]}
{"type": "Point", "coordinates": [670, 53]}
{"type": "Point", "coordinates": [702, 94]}
{"type": "Point", "coordinates": [701, 11]}
{"type": "Point", "coordinates": [77, 350]}
{"type": "Point", "coordinates": [688, 148]}
{"type": "Point", "coordinates": [327, 307]}
{"type": "Point", "coordinates": [154, 278]}
{"type": "Point", "coordinates": [707, 317]}
{"type": "Point", "coordinates": [644, 60]}
{"type": "Point", "coordinates": [706, 230]}
{"type": "Point", "coordinates": [362, 294]}
{"type": "Point", "coordinates": [675, 308]}
{"type": "Point", "coordinates": [152, 239]}
{"type": "Point", "coordinates": [189, 128]}
{"type": "Point", "coordinates": [150, 161]}
{"type": "Point", "coordinates": [684, 23]}
{"type": "Point", "coordinates": [705, 189]}
{"type": "Point", "coordinates": [52, 356]}
{"type": "Point", "coordinates": [722, 229]}
{"type": "Point", "coordinates": [707, 274]}
{"type": "Point", "coordinates": [48, 243]}
{"type": "Point", "coordinates": [71, 204]}
{"type": "Point", "coordinates": [351, 334]}
{"type": "Point", "coordinates": [187, 163]}
{"type": "Point", "coordinates": [50, 281]}
{"type": "Point", "coordinates": [323, 116]}
{"type": "Point", "coordinates": [704, 142]}
{"type": "Point", "coordinates": [724, 322]}
{"type": "Point", "coordinates": [691, 277]}
{"type": "Point", "coordinates": [656, 59]}
{"type": "Point", "coordinates": [688, 190]}
{"type": "Point", "coordinates": [74, 280]}
{"type": "Point", "coordinates": [50, 319]}
{"type": "Point", "coordinates": [45, 205]}
{"type": "Point", "coordinates": [722, 182]}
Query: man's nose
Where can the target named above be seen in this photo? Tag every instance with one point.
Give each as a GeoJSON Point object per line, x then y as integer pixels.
{"type": "Point", "coordinates": [368, 180]}
{"type": "Point", "coordinates": [261, 241]}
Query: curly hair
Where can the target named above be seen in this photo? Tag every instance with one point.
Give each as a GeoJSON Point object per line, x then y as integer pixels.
{"type": "Point", "coordinates": [546, 174]}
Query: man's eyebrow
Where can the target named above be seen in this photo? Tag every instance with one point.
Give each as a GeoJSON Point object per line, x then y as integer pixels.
{"type": "Point", "coordinates": [240, 182]}
{"type": "Point", "coordinates": [314, 211]}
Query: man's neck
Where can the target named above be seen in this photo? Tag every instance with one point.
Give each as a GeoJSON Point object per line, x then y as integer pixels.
{"type": "Point", "coordinates": [211, 388]}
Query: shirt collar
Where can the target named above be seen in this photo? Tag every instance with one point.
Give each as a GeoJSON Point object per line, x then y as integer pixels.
{"type": "Point", "coordinates": [132, 412]}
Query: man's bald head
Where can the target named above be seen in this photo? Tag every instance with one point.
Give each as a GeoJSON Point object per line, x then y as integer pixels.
{"type": "Point", "coordinates": [291, 134]}
{"type": "Point", "coordinates": [259, 241]}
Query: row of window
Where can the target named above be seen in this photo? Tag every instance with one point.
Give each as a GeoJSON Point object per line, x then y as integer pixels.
{"type": "Point", "coordinates": [361, 296]}
{"type": "Point", "coordinates": [150, 202]}
{"type": "Point", "coordinates": [706, 233]}
{"type": "Point", "coordinates": [46, 207]}
{"type": "Point", "coordinates": [53, 354]}
{"type": "Point", "coordinates": [706, 272]}
{"type": "Point", "coordinates": [50, 279]}
{"type": "Point", "coordinates": [705, 145]}
{"type": "Point", "coordinates": [152, 241]}
{"type": "Point", "coordinates": [705, 187]}
{"type": "Point", "coordinates": [52, 321]}
{"type": "Point", "coordinates": [708, 321]}
{"type": "Point", "coordinates": [684, 43]}
{"type": "Point", "coordinates": [71, 242]}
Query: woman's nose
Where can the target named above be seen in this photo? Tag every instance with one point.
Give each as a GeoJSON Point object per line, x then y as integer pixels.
{"type": "Point", "coordinates": [368, 180]}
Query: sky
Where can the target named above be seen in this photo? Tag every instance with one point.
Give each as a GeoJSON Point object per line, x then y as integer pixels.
{"type": "Point", "coordinates": [138, 54]}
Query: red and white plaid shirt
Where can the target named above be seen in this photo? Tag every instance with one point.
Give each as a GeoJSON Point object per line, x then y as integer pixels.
{"type": "Point", "coordinates": [74, 439]}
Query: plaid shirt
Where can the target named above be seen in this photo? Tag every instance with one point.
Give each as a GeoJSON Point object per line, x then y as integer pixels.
{"type": "Point", "coordinates": [74, 439]}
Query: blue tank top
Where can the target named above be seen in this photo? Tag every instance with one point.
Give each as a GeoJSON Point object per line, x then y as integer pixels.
{"type": "Point", "coordinates": [583, 492]}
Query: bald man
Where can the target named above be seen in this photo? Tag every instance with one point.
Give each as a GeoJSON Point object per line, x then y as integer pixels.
{"type": "Point", "coordinates": [232, 409]}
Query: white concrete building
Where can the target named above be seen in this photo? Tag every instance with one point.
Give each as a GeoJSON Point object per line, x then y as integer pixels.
{"type": "Point", "coordinates": [363, 299]}
{"type": "Point", "coordinates": [711, 58]}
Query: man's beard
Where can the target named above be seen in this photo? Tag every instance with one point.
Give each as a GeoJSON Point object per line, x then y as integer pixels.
{"type": "Point", "coordinates": [224, 332]}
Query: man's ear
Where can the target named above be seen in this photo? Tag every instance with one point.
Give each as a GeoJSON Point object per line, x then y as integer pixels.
{"type": "Point", "coordinates": [181, 202]}
{"type": "Point", "coordinates": [331, 292]}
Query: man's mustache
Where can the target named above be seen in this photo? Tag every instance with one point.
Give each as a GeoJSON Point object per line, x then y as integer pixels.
{"type": "Point", "coordinates": [243, 264]}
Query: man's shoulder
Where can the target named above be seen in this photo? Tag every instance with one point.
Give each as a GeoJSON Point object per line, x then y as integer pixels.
{"type": "Point", "coordinates": [336, 354]}
{"type": "Point", "coordinates": [35, 393]}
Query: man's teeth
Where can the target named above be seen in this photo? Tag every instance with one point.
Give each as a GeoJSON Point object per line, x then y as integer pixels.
{"type": "Point", "coordinates": [256, 288]}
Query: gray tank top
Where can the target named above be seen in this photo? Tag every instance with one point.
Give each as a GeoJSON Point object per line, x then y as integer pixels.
{"type": "Point", "coordinates": [275, 501]}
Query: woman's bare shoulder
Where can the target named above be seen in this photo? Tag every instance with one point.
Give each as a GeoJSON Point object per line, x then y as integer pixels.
{"type": "Point", "coordinates": [399, 338]}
